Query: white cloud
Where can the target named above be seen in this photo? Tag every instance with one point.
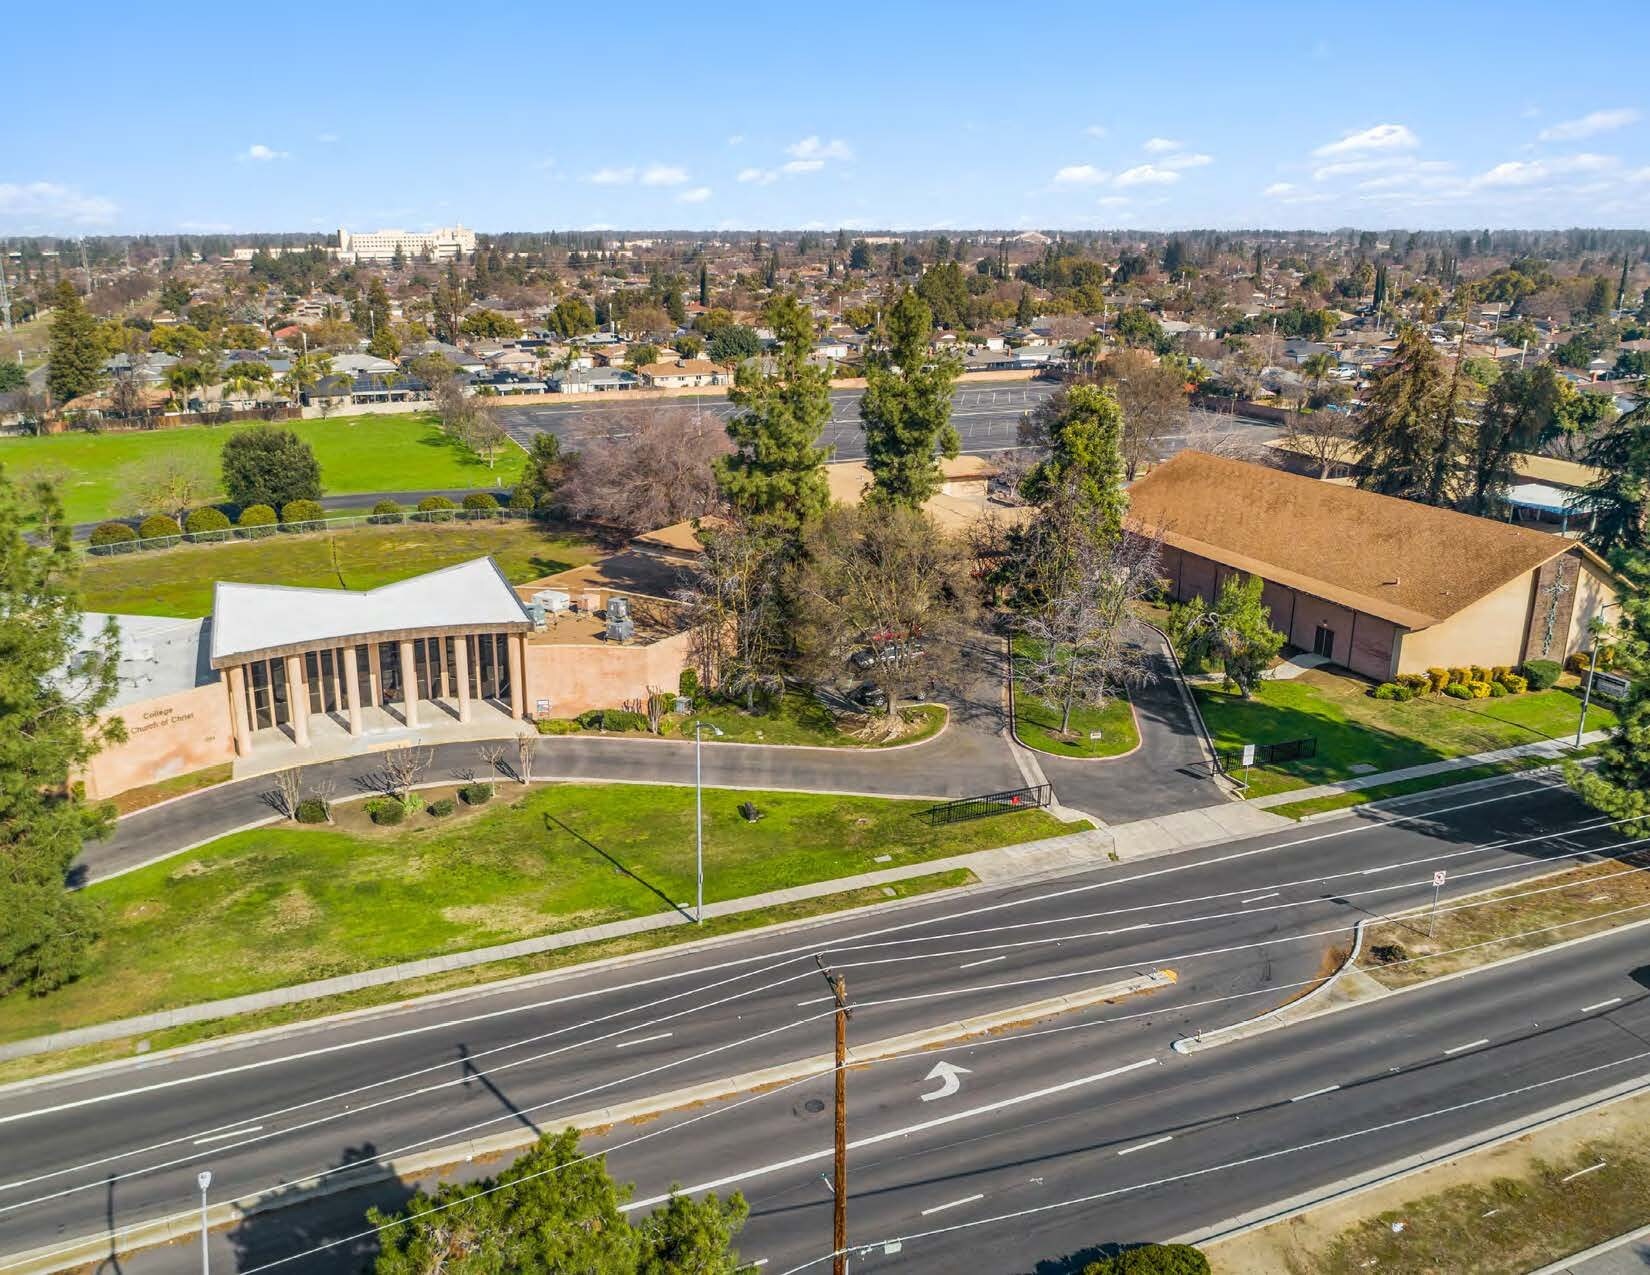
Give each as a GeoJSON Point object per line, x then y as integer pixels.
{"type": "Point", "coordinates": [1588, 125]}
{"type": "Point", "coordinates": [802, 165]}
{"type": "Point", "coordinates": [664, 175]}
{"type": "Point", "coordinates": [697, 195]}
{"type": "Point", "coordinates": [758, 176]}
{"type": "Point", "coordinates": [1278, 189]}
{"type": "Point", "coordinates": [262, 154]}
{"type": "Point", "coordinates": [327, 139]}
{"type": "Point", "coordinates": [736, 140]}
{"type": "Point", "coordinates": [206, 227]}
{"type": "Point", "coordinates": [1382, 137]}
{"type": "Point", "coordinates": [1112, 201]}
{"type": "Point", "coordinates": [53, 203]}
{"type": "Point", "coordinates": [1534, 172]}
{"type": "Point", "coordinates": [1160, 145]}
{"type": "Point", "coordinates": [612, 176]}
{"type": "Point", "coordinates": [1081, 175]}
{"type": "Point", "coordinates": [1095, 130]}
{"type": "Point", "coordinates": [1147, 175]}
{"type": "Point", "coordinates": [813, 148]}
{"type": "Point", "coordinates": [1187, 159]}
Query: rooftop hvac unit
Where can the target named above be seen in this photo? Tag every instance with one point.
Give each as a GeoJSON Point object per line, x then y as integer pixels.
{"type": "Point", "coordinates": [620, 627]}
{"type": "Point", "coordinates": [554, 601]}
{"type": "Point", "coordinates": [535, 611]}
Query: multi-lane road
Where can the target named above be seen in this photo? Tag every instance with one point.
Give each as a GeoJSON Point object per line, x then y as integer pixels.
{"type": "Point", "coordinates": [1079, 1131]}
{"type": "Point", "coordinates": [986, 416]}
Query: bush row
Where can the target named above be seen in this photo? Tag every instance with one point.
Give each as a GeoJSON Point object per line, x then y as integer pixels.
{"type": "Point", "coordinates": [1474, 682]}
{"type": "Point", "coordinates": [210, 523]}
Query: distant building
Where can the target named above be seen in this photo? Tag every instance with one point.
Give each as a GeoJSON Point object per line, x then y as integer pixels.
{"type": "Point", "coordinates": [444, 244]}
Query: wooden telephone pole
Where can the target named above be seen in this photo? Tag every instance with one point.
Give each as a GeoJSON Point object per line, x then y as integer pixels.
{"type": "Point", "coordinates": [839, 1176]}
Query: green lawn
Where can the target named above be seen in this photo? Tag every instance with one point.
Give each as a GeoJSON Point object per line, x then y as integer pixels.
{"type": "Point", "coordinates": [404, 452]}
{"type": "Point", "coordinates": [286, 904]}
{"type": "Point", "coordinates": [1353, 728]}
{"type": "Point", "coordinates": [1037, 722]}
{"type": "Point", "coordinates": [801, 718]}
{"type": "Point", "coordinates": [178, 581]}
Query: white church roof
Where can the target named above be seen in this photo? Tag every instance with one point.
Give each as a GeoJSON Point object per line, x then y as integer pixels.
{"type": "Point", "coordinates": [248, 618]}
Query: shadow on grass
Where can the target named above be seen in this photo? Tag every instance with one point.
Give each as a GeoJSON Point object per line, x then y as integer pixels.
{"type": "Point", "coordinates": [550, 822]}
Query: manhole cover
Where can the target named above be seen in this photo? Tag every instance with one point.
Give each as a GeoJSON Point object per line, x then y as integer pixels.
{"type": "Point", "coordinates": [813, 1106]}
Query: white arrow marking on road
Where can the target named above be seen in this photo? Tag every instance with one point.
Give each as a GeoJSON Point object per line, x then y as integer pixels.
{"type": "Point", "coordinates": [946, 1073]}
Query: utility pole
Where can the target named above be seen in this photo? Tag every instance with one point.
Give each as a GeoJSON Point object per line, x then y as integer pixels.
{"type": "Point", "coordinates": [5, 291]}
{"type": "Point", "coordinates": [839, 1175]}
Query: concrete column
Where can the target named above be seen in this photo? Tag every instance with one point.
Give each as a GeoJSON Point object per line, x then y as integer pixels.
{"type": "Point", "coordinates": [461, 668]}
{"type": "Point", "coordinates": [516, 648]}
{"type": "Point", "coordinates": [409, 684]}
{"type": "Point", "coordinates": [352, 690]}
{"type": "Point", "coordinates": [375, 678]}
{"type": "Point", "coordinates": [297, 698]}
{"type": "Point", "coordinates": [237, 710]}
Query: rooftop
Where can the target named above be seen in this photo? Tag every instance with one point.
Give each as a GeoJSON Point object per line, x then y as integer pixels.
{"type": "Point", "coordinates": [158, 655]}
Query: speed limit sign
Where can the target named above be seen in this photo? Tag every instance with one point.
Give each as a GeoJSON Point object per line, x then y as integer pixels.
{"type": "Point", "coordinates": [1438, 877]}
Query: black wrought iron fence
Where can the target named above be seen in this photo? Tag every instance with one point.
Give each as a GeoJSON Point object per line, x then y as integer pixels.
{"type": "Point", "coordinates": [1035, 797]}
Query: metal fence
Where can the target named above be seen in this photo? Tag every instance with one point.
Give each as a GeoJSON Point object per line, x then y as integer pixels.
{"type": "Point", "coordinates": [1271, 754]}
{"type": "Point", "coordinates": [991, 803]}
{"type": "Point", "coordinates": [272, 530]}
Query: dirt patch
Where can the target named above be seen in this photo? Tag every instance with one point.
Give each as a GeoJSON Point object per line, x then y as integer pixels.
{"type": "Point", "coordinates": [499, 918]}
{"type": "Point", "coordinates": [293, 911]}
{"type": "Point", "coordinates": [143, 910]}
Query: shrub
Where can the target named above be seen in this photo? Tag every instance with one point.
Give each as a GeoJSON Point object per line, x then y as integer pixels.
{"type": "Point", "coordinates": [1479, 674]}
{"type": "Point", "coordinates": [1437, 679]}
{"type": "Point", "coordinates": [436, 509]}
{"type": "Point", "coordinates": [1541, 674]}
{"type": "Point", "coordinates": [1459, 676]}
{"type": "Point", "coordinates": [480, 502]}
{"type": "Point", "coordinates": [385, 513]}
{"type": "Point", "coordinates": [386, 811]}
{"type": "Point", "coordinates": [1417, 683]}
{"type": "Point", "coordinates": [687, 685]}
{"type": "Point", "coordinates": [302, 511]}
{"type": "Point", "coordinates": [1389, 690]}
{"type": "Point", "coordinates": [312, 810]}
{"type": "Point", "coordinates": [1577, 663]}
{"type": "Point", "coordinates": [202, 521]}
{"type": "Point", "coordinates": [1457, 690]}
{"type": "Point", "coordinates": [1515, 684]}
{"type": "Point", "coordinates": [1497, 690]}
{"type": "Point", "coordinates": [476, 794]}
{"type": "Point", "coordinates": [1499, 673]}
{"type": "Point", "coordinates": [612, 719]}
{"type": "Point", "coordinates": [1479, 690]}
{"type": "Point", "coordinates": [441, 807]}
{"type": "Point", "coordinates": [111, 533]}
{"type": "Point", "coordinates": [157, 525]}
{"type": "Point", "coordinates": [256, 520]}
{"type": "Point", "coordinates": [521, 500]}
{"type": "Point", "coordinates": [1152, 1259]}
{"type": "Point", "coordinates": [1388, 953]}
{"type": "Point", "coordinates": [556, 726]}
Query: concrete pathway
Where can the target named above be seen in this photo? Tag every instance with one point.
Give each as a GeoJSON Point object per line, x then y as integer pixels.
{"type": "Point", "coordinates": [1547, 749]}
{"type": "Point", "coordinates": [1623, 1255]}
{"type": "Point", "coordinates": [1052, 856]}
{"type": "Point", "coordinates": [1295, 665]}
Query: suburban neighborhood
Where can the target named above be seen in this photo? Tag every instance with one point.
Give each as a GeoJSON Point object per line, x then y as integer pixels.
{"type": "Point", "coordinates": [839, 687]}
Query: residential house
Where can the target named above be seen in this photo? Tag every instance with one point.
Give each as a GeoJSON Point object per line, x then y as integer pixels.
{"type": "Point", "coordinates": [683, 374]}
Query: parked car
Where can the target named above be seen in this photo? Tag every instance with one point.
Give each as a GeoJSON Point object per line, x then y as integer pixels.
{"type": "Point", "coordinates": [871, 656]}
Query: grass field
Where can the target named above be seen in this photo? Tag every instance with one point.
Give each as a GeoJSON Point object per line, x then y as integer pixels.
{"type": "Point", "coordinates": [286, 904]}
{"type": "Point", "coordinates": [179, 581]}
{"type": "Point", "coordinates": [1354, 729]}
{"type": "Point", "coordinates": [802, 719]}
{"type": "Point", "coordinates": [1037, 722]}
{"type": "Point", "coordinates": [406, 452]}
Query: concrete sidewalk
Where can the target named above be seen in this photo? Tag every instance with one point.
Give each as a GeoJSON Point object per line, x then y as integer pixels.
{"type": "Point", "coordinates": [1545, 749]}
{"type": "Point", "coordinates": [1053, 856]}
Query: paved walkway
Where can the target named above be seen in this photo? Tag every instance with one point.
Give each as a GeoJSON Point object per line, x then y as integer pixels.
{"type": "Point", "coordinates": [1547, 749]}
{"type": "Point", "coordinates": [1053, 856]}
{"type": "Point", "coordinates": [1621, 1256]}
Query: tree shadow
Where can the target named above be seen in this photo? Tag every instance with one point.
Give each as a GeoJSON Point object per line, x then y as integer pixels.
{"type": "Point", "coordinates": [294, 1221]}
{"type": "Point", "coordinates": [550, 821]}
{"type": "Point", "coordinates": [472, 1073]}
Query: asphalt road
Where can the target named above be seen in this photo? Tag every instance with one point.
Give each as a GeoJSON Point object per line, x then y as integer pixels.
{"type": "Point", "coordinates": [1245, 926]}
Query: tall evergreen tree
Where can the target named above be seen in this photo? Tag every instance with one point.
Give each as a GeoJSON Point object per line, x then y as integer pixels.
{"type": "Point", "coordinates": [1620, 785]}
{"type": "Point", "coordinates": [74, 352]}
{"type": "Point", "coordinates": [55, 683]}
{"type": "Point", "coordinates": [1084, 429]}
{"type": "Point", "coordinates": [704, 285]}
{"type": "Point", "coordinates": [1620, 499]}
{"type": "Point", "coordinates": [1401, 423]}
{"type": "Point", "coordinates": [1621, 288]}
{"type": "Point", "coordinates": [1522, 408]}
{"type": "Point", "coordinates": [776, 474]}
{"type": "Point", "coordinates": [906, 407]}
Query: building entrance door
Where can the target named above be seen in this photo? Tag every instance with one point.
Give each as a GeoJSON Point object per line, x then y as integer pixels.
{"type": "Point", "coordinates": [1323, 642]}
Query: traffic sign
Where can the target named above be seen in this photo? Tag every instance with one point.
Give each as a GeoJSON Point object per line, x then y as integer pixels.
{"type": "Point", "coordinates": [1438, 877]}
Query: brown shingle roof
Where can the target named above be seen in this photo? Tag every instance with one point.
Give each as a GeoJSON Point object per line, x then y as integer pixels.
{"type": "Point", "coordinates": [1408, 563]}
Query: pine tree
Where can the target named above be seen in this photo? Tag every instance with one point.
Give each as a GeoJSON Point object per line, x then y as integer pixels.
{"type": "Point", "coordinates": [704, 285]}
{"type": "Point", "coordinates": [1023, 313]}
{"type": "Point", "coordinates": [775, 475]}
{"type": "Point", "coordinates": [1621, 288]}
{"type": "Point", "coordinates": [75, 353]}
{"type": "Point", "coordinates": [1620, 498]}
{"type": "Point", "coordinates": [1620, 786]}
{"type": "Point", "coordinates": [1084, 425]}
{"type": "Point", "coordinates": [906, 408]}
{"type": "Point", "coordinates": [1400, 426]}
{"type": "Point", "coordinates": [49, 729]}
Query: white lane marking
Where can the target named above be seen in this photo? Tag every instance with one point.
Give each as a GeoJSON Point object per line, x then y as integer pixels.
{"type": "Point", "coordinates": [1458, 1049]}
{"type": "Point", "coordinates": [921, 1126]}
{"type": "Point", "coordinates": [1588, 1009]}
{"type": "Point", "coordinates": [642, 1040]}
{"type": "Point", "coordinates": [761, 1261]}
{"type": "Point", "coordinates": [1256, 898]}
{"type": "Point", "coordinates": [1581, 1173]}
{"type": "Point", "coordinates": [1316, 1093]}
{"type": "Point", "coordinates": [990, 960]}
{"type": "Point", "coordinates": [1141, 1146]}
{"type": "Point", "coordinates": [817, 1000]}
{"type": "Point", "coordinates": [233, 1133]}
{"type": "Point", "coordinates": [941, 1208]}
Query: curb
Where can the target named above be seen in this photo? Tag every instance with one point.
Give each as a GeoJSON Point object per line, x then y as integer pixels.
{"type": "Point", "coordinates": [1382, 803]}
{"type": "Point", "coordinates": [92, 1248]}
{"type": "Point", "coordinates": [1564, 1266]}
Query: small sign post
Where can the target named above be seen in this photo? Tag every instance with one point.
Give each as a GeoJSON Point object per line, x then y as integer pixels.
{"type": "Point", "coordinates": [1248, 761]}
{"type": "Point", "coordinates": [1437, 885]}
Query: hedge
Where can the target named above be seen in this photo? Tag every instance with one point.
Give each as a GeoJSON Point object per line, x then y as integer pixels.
{"type": "Point", "coordinates": [257, 520]}
{"type": "Point", "coordinates": [475, 794]}
{"type": "Point", "coordinates": [521, 500]}
{"type": "Point", "coordinates": [302, 511]}
{"type": "Point", "coordinates": [557, 726]}
{"type": "Point", "coordinates": [481, 500]}
{"type": "Point", "coordinates": [209, 518]}
{"type": "Point", "coordinates": [311, 810]}
{"type": "Point", "coordinates": [1541, 674]}
{"type": "Point", "coordinates": [612, 719]}
{"type": "Point", "coordinates": [156, 526]}
{"type": "Point", "coordinates": [111, 533]}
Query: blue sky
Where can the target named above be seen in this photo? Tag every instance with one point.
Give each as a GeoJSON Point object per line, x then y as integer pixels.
{"type": "Point", "coordinates": [509, 116]}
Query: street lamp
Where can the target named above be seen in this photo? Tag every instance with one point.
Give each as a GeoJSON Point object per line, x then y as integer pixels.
{"type": "Point", "coordinates": [1592, 672]}
{"type": "Point", "coordinates": [699, 817]}
{"type": "Point", "coordinates": [204, 1179]}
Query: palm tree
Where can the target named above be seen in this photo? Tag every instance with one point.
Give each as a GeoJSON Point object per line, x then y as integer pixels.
{"type": "Point", "coordinates": [181, 378]}
{"type": "Point", "coordinates": [1317, 368]}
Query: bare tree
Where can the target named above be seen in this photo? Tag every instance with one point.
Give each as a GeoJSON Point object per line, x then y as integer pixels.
{"type": "Point", "coordinates": [1235, 441]}
{"type": "Point", "coordinates": [1152, 395]}
{"type": "Point", "coordinates": [125, 394]}
{"type": "Point", "coordinates": [734, 608]}
{"type": "Point", "coordinates": [526, 747]}
{"type": "Point", "coordinates": [290, 784]}
{"type": "Point", "coordinates": [403, 767]}
{"type": "Point", "coordinates": [492, 757]}
{"type": "Point", "coordinates": [167, 484]}
{"type": "Point", "coordinates": [487, 433]}
{"type": "Point", "coordinates": [1322, 437]}
{"type": "Point", "coordinates": [647, 467]}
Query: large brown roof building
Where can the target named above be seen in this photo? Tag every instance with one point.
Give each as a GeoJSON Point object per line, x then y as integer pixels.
{"type": "Point", "coordinates": [1380, 585]}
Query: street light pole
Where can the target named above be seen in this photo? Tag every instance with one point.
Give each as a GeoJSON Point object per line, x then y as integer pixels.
{"type": "Point", "coordinates": [204, 1179]}
{"type": "Point", "coordinates": [1592, 672]}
